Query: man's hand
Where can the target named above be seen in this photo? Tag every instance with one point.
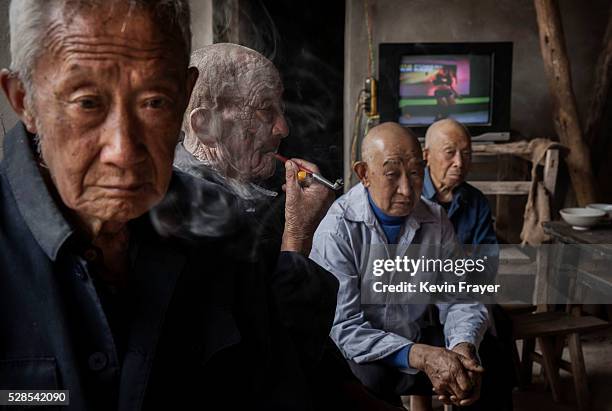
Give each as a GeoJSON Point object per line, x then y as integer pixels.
{"type": "Point", "coordinates": [469, 351]}
{"type": "Point", "coordinates": [451, 374]}
{"type": "Point", "coordinates": [305, 207]}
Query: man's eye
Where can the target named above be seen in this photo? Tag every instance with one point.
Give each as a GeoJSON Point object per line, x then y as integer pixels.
{"type": "Point", "coordinates": [156, 103]}
{"type": "Point", "coordinates": [265, 114]}
{"type": "Point", "coordinates": [88, 103]}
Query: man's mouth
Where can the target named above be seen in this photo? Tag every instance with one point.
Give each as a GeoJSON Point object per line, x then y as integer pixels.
{"type": "Point", "coordinates": [123, 189]}
{"type": "Point", "coordinates": [402, 203]}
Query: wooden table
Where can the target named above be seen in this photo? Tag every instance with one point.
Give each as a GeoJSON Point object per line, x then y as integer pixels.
{"type": "Point", "coordinates": [570, 269]}
{"type": "Point", "coordinates": [600, 235]}
{"type": "Point", "coordinates": [589, 253]}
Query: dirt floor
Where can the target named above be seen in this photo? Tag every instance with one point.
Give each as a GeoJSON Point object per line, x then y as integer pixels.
{"type": "Point", "coordinates": [597, 350]}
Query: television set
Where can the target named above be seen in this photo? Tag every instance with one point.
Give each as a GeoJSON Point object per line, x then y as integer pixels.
{"type": "Point", "coordinates": [420, 83]}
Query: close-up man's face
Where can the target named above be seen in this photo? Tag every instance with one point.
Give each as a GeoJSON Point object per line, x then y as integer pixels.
{"type": "Point", "coordinates": [109, 96]}
{"type": "Point", "coordinates": [252, 142]}
{"type": "Point", "coordinates": [449, 157]}
{"type": "Point", "coordinates": [395, 176]}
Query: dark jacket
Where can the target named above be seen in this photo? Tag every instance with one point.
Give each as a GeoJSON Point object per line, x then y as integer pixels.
{"type": "Point", "coordinates": [194, 329]}
{"type": "Point", "coordinates": [469, 212]}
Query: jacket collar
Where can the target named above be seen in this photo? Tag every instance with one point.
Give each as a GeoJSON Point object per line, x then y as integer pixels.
{"type": "Point", "coordinates": [34, 201]}
{"type": "Point", "coordinates": [429, 190]}
{"type": "Point", "coordinates": [459, 193]}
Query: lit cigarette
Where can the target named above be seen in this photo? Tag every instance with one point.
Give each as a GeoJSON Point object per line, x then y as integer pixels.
{"type": "Point", "coordinates": [304, 172]}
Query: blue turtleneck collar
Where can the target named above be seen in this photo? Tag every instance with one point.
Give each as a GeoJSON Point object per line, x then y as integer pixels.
{"type": "Point", "coordinates": [391, 225]}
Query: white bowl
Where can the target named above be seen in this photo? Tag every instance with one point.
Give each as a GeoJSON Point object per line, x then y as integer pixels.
{"type": "Point", "coordinates": [603, 207]}
{"type": "Point", "coordinates": [582, 218]}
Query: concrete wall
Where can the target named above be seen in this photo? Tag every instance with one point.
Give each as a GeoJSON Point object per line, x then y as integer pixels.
{"type": "Point", "coordinates": [201, 16]}
{"type": "Point", "coordinates": [479, 20]}
{"type": "Point", "coordinates": [201, 23]}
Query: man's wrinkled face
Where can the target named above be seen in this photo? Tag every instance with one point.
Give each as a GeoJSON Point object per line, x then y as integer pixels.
{"type": "Point", "coordinates": [109, 94]}
{"type": "Point", "coordinates": [449, 157]}
{"type": "Point", "coordinates": [253, 140]}
{"type": "Point", "coordinates": [395, 175]}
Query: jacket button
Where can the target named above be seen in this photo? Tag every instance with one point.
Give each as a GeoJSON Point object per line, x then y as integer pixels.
{"type": "Point", "coordinates": [97, 361]}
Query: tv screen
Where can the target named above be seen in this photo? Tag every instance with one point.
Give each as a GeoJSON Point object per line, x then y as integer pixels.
{"type": "Point", "coordinates": [436, 87]}
{"type": "Point", "coordinates": [420, 83]}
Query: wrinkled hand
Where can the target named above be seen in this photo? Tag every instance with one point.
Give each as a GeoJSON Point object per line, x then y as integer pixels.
{"type": "Point", "coordinates": [305, 207]}
{"type": "Point", "coordinates": [452, 374]}
{"type": "Point", "coordinates": [469, 351]}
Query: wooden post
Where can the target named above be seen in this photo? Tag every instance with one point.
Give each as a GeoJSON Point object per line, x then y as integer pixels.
{"type": "Point", "coordinates": [565, 116]}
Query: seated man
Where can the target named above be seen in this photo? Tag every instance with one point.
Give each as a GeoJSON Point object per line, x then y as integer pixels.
{"type": "Point", "coordinates": [389, 346]}
{"type": "Point", "coordinates": [93, 299]}
{"type": "Point", "coordinates": [233, 125]}
{"type": "Point", "coordinates": [448, 154]}
{"type": "Point", "coordinates": [448, 157]}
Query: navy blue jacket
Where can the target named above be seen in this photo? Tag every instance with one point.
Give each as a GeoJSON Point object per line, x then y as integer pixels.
{"type": "Point", "coordinates": [469, 212]}
{"type": "Point", "coordinates": [199, 331]}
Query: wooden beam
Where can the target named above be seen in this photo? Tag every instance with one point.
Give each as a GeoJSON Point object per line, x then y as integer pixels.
{"type": "Point", "coordinates": [601, 87]}
{"type": "Point", "coordinates": [503, 187]}
{"type": "Point", "coordinates": [565, 114]}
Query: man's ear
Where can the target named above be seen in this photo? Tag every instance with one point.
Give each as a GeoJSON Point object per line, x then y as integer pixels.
{"type": "Point", "coordinates": [14, 91]}
{"type": "Point", "coordinates": [200, 121]}
{"type": "Point", "coordinates": [361, 169]}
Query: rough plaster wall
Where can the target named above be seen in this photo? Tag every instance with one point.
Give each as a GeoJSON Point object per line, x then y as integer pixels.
{"type": "Point", "coordinates": [479, 20]}
{"type": "Point", "coordinates": [202, 35]}
{"type": "Point", "coordinates": [201, 23]}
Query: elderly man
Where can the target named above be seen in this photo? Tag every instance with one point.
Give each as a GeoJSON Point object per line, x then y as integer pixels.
{"type": "Point", "coordinates": [232, 127]}
{"type": "Point", "coordinates": [95, 301]}
{"type": "Point", "coordinates": [448, 154]}
{"type": "Point", "coordinates": [395, 348]}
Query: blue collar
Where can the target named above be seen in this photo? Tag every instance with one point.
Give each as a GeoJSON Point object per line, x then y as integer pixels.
{"type": "Point", "coordinates": [429, 192]}
{"type": "Point", "coordinates": [383, 218]}
{"type": "Point", "coordinates": [429, 189]}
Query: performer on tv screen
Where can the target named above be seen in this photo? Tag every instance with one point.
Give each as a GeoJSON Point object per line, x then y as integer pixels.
{"type": "Point", "coordinates": [444, 91]}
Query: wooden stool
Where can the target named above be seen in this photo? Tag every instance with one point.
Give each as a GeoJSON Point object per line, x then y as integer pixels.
{"type": "Point", "coordinates": [551, 329]}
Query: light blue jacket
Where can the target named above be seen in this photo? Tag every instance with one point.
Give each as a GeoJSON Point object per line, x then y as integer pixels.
{"type": "Point", "coordinates": [343, 245]}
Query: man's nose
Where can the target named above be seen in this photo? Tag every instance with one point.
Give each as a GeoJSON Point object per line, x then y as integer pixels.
{"type": "Point", "coordinates": [404, 188]}
{"type": "Point", "coordinates": [280, 127]}
{"type": "Point", "coordinates": [458, 159]}
{"type": "Point", "coordinates": [122, 143]}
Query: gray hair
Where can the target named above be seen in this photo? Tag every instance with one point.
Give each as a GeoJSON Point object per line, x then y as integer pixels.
{"type": "Point", "coordinates": [433, 129]}
{"type": "Point", "coordinates": [28, 20]}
